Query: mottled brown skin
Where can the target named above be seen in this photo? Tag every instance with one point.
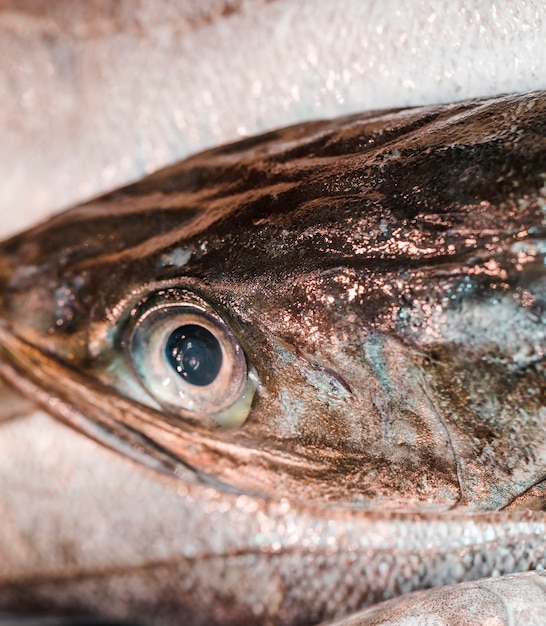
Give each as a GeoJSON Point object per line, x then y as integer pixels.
{"type": "Point", "coordinates": [385, 277]}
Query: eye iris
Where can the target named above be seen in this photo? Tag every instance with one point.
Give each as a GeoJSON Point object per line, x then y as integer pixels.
{"type": "Point", "coordinates": [195, 354]}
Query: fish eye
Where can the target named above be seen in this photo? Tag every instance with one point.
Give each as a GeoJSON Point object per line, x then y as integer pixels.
{"type": "Point", "coordinates": [195, 354]}
{"type": "Point", "coordinates": [188, 359]}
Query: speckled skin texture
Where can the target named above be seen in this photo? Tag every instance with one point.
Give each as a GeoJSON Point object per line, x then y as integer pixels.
{"type": "Point", "coordinates": [506, 601]}
{"type": "Point", "coordinates": [396, 441]}
{"type": "Point", "coordinates": [95, 94]}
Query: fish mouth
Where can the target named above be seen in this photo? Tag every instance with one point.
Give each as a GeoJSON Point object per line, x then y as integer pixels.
{"type": "Point", "coordinates": [143, 434]}
{"type": "Point", "coordinates": [229, 462]}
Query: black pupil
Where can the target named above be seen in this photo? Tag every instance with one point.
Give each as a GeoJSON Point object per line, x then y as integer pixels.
{"type": "Point", "coordinates": [195, 354]}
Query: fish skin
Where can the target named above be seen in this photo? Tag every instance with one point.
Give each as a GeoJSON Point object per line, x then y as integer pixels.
{"type": "Point", "coordinates": [263, 216]}
{"type": "Point", "coordinates": [508, 600]}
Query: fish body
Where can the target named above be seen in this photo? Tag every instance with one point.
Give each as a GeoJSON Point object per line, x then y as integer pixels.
{"type": "Point", "coordinates": [375, 287]}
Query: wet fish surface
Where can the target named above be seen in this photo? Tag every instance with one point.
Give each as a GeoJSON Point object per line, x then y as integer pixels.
{"type": "Point", "coordinates": [330, 341]}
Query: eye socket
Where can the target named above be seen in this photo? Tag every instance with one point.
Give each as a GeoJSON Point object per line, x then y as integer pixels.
{"type": "Point", "coordinates": [188, 359]}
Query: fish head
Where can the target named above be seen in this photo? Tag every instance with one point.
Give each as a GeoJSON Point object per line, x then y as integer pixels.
{"type": "Point", "coordinates": [348, 311]}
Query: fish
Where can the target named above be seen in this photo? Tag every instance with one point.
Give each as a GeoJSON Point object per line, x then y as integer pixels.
{"type": "Point", "coordinates": [315, 358]}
